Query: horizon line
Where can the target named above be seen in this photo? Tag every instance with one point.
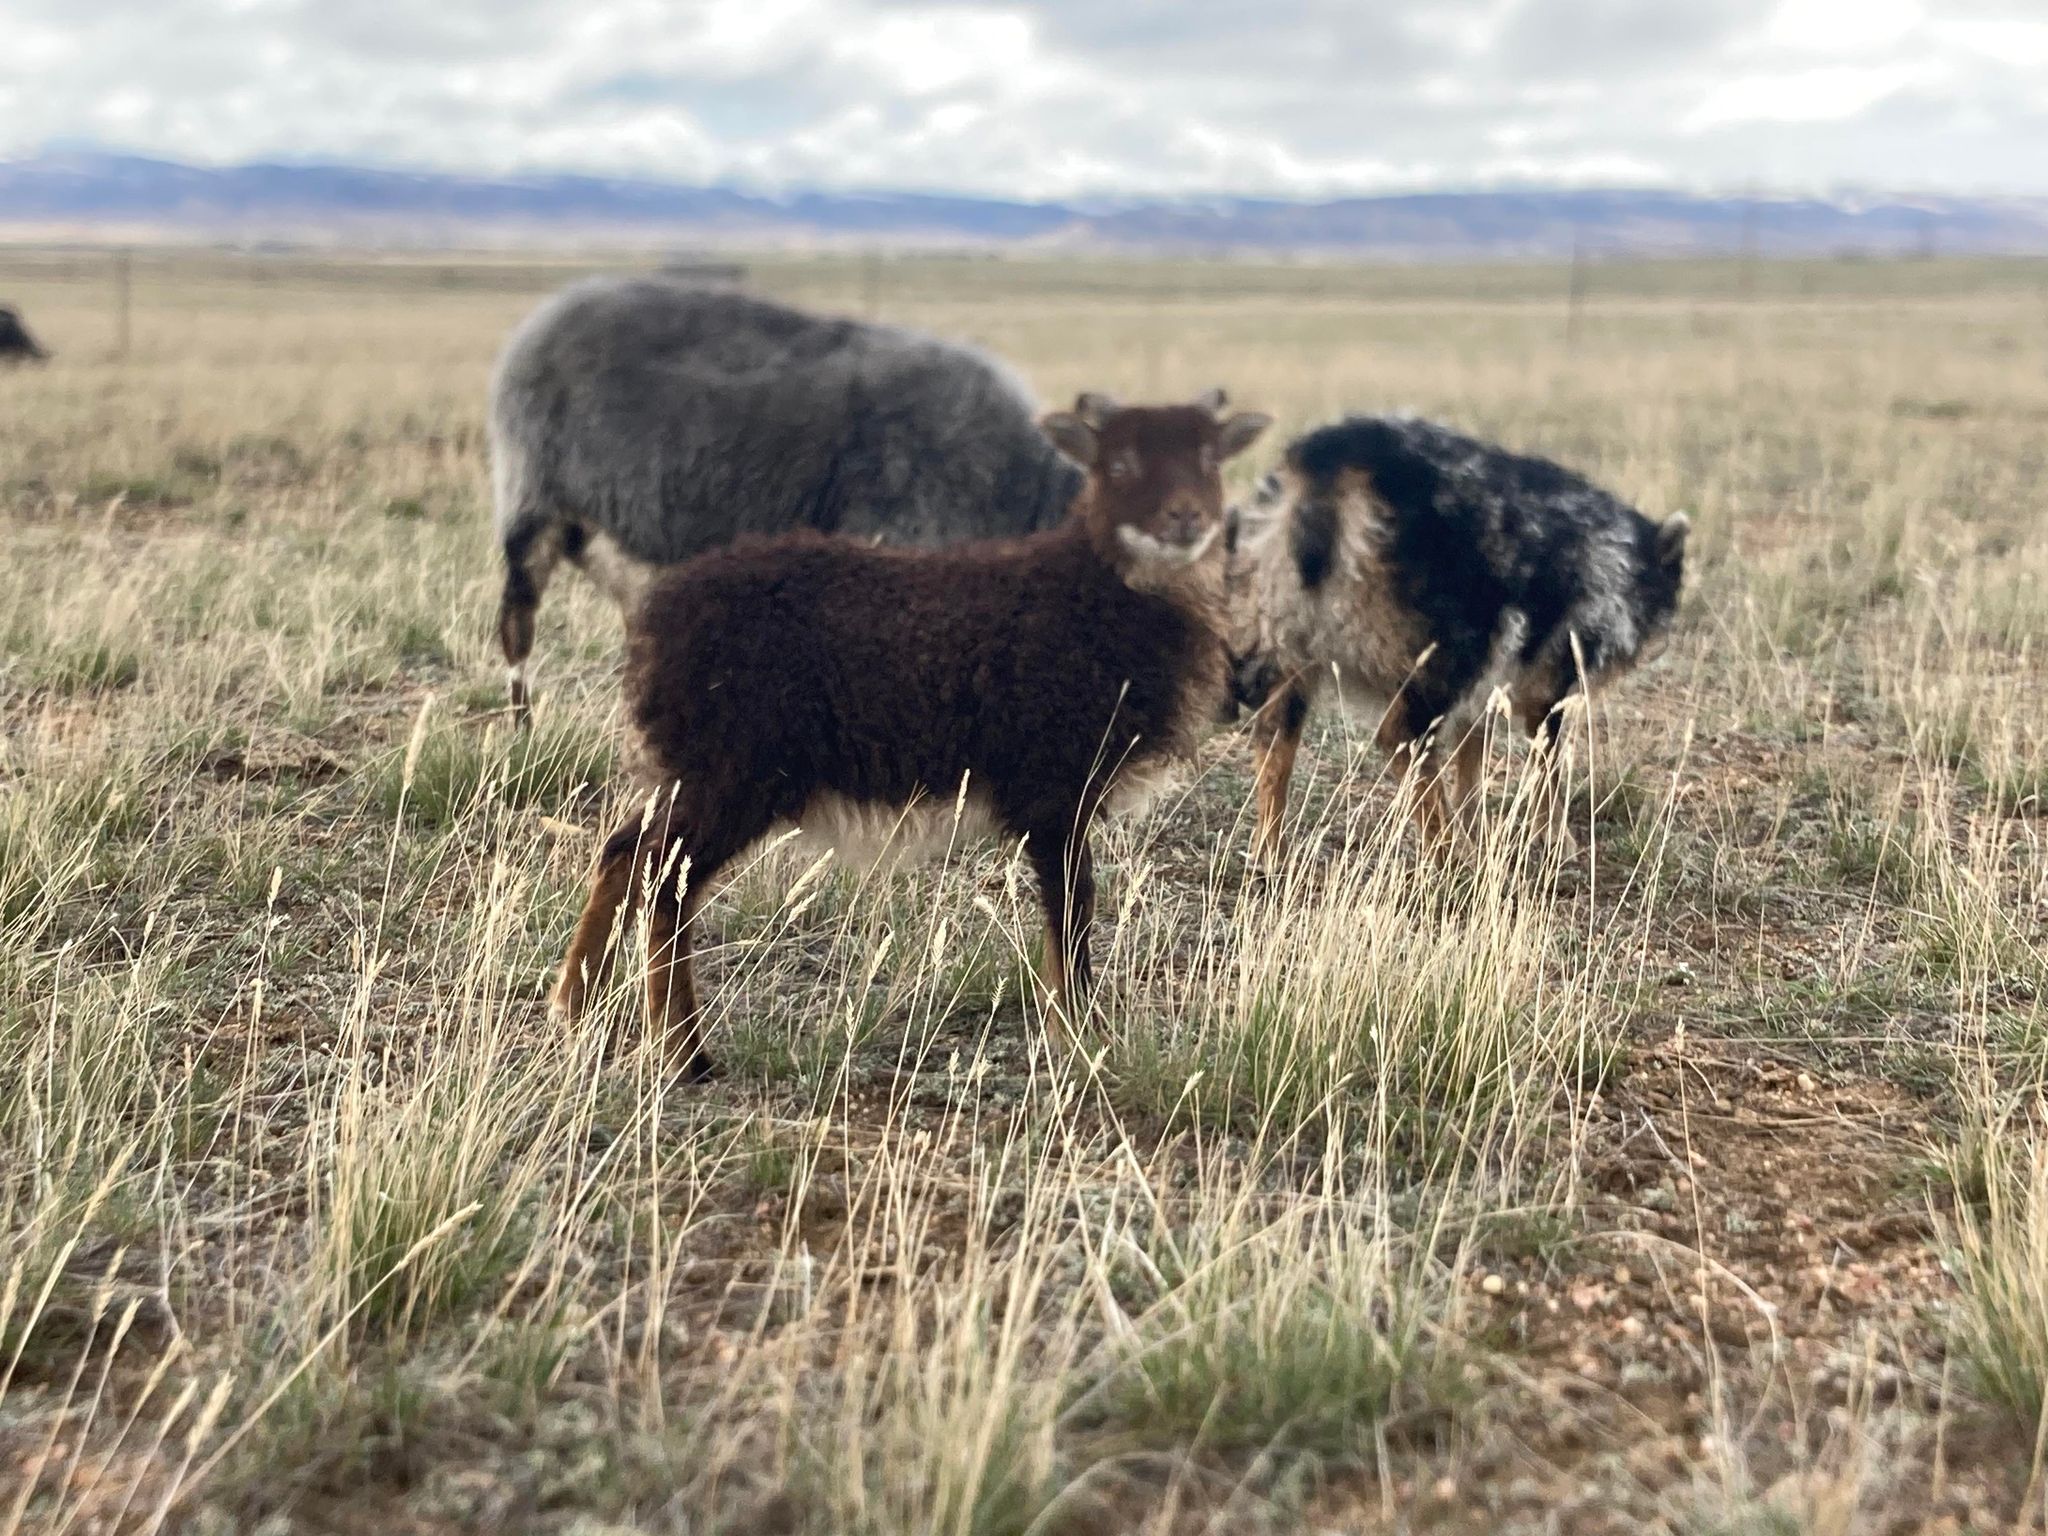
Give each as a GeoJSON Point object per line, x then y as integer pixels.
{"type": "Point", "coordinates": [1756, 190]}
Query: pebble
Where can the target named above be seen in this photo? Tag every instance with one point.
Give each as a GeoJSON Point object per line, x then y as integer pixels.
{"type": "Point", "coordinates": [1493, 1285]}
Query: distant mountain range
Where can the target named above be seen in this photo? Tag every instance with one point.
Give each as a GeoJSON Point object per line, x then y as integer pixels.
{"type": "Point", "coordinates": [98, 196]}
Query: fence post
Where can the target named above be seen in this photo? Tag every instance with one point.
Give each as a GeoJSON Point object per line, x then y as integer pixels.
{"type": "Point", "coordinates": [1746, 274]}
{"type": "Point", "coordinates": [1575, 292]}
{"type": "Point", "coordinates": [871, 282]}
{"type": "Point", "coordinates": [124, 301]}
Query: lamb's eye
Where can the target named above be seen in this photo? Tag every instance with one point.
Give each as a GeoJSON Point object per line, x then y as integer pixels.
{"type": "Point", "coordinates": [1123, 466]}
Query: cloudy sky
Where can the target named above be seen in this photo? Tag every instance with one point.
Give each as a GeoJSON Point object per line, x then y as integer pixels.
{"type": "Point", "coordinates": [1032, 98]}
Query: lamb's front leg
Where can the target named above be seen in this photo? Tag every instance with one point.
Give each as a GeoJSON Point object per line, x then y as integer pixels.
{"type": "Point", "coordinates": [1550, 802]}
{"type": "Point", "coordinates": [1066, 884]}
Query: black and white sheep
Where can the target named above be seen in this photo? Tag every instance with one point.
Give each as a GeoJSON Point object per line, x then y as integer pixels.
{"type": "Point", "coordinates": [636, 422]}
{"type": "Point", "coordinates": [1415, 570]}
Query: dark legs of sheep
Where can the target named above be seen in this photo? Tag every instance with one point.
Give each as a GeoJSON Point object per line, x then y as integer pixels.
{"type": "Point", "coordinates": [1066, 883]}
{"type": "Point", "coordinates": [614, 887]}
{"type": "Point", "coordinates": [673, 1011]}
{"type": "Point", "coordinates": [1276, 737]}
{"type": "Point", "coordinates": [515, 635]}
{"type": "Point", "coordinates": [1544, 721]}
{"type": "Point", "coordinates": [530, 559]}
{"type": "Point", "coordinates": [636, 860]}
{"type": "Point", "coordinates": [1445, 781]}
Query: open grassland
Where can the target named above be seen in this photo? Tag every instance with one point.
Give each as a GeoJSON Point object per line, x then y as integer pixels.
{"type": "Point", "coordinates": [1696, 1184]}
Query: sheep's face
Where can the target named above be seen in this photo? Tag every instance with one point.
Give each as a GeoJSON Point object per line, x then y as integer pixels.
{"type": "Point", "coordinates": [1155, 487]}
{"type": "Point", "coordinates": [1248, 541]}
{"type": "Point", "coordinates": [1658, 586]}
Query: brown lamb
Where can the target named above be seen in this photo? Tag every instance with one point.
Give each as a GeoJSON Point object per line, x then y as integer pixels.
{"type": "Point", "coordinates": [818, 682]}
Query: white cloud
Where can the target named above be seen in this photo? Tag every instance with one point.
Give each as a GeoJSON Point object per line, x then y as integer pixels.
{"type": "Point", "coordinates": [2012, 41]}
{"type": "Point", "coordinates": [926, 53]}
{"type": "Point", "coordinates": [1837, 27]}
{"type": "Point", "coordinates": [1830, 94]}
{"type": "Point", "coordinates": [1058, 97]}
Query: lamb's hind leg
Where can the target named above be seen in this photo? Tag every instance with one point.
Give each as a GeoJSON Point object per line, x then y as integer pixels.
{"type": "Point", "coordinates": [616, 887]}
{"type": "Point", "coordinates": [1467, 780]}
{"type": "Point", "coordinates": [673, 1010]}
{"type": "Point", "coordinates": [1276, 738]}
{"type": "Point", "coordinates": [670, 860]}
{"type": "Point", "coordinates": [1433, 776]}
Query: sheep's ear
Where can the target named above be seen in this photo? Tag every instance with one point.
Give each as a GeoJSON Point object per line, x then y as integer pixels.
{"type": "Point", "coordinates": [1072, 436]}
{"type": "Point", "coordinates": [1213, 400]}
{"type": "Point", "coordinates": [1094, 408]}
{"type": "Point", "coordinates": [1249, 521]}
{"type": "Point", "coordinates": [1671, 539]}
{"type": "Point", "coordinates": [1239, 433]}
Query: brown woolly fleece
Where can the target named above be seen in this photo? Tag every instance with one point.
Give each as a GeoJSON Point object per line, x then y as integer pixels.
{"type": "Point", "coordinates": [788, 679]}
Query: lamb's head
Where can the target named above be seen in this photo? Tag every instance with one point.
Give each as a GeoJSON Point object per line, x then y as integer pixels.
{"type": "Point", "coordinates": [1660, 578]}
{"type": "Point", "coordinates": [1154, 499]}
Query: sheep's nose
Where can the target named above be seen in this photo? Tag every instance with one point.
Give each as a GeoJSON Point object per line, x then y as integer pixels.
{"type": "Point", "coordinates": [1184, 523]}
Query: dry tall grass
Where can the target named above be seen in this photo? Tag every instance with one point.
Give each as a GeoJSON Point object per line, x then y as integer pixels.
{"type": "Point", "coordinates": [309, 1214]}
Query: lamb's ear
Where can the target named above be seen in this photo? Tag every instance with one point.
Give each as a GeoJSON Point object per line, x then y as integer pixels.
{"type": "Point", "coordinates": [1213, 400]}
{"type": "Point", "coordinates": [1094, 408]}
{"type": "Point", "coordinates": [1071, 435]}
{"type": "Point", "coordinates": [1239, 433]}
{"type": "Point", "coordinates": [1671, 539]}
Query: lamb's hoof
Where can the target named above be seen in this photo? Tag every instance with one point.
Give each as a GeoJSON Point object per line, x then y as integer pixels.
{"type": "Point", "coordinates": [700, 1068]}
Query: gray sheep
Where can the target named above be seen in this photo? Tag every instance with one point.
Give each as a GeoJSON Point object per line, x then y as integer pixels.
{"type": "Point", "coordinates": [637, 422]}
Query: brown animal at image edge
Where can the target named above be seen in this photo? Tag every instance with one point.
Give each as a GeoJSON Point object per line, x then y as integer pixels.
{"type": "Point", "coordinates": [16, 344]}
{"type": "Point", "coordinates": [1033, 682]}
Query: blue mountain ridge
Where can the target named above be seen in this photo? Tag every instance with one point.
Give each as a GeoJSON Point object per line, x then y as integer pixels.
{"type": "Point", "coordinates": [76, 192]}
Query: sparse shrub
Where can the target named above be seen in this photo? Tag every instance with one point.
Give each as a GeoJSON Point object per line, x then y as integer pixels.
{"type": "Point", "coordinates": [940, 1456]}
{"type": "Point", "coordinates": [420, 642]}
{"type": "Point", "coordinates": [50, 833]}
{"type": "Point", "coordinates": [89, 666]}
{"type": "Point", "coordinates": [424, 1204]}
{"type": "Point", "coordinates": [1439, 999]}
{"type": "Point", "coordinates": [2002, 1261]}
{"type": "Point", "coordinates": [150, 492]}
{"type": "Point", "coordinates": [1302, 1340]}
{"type": "Point", "coordinates": [451, 769]}
{"type": "Point", "coordinates": [1875, 855]}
